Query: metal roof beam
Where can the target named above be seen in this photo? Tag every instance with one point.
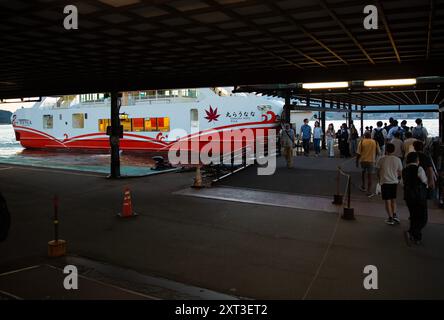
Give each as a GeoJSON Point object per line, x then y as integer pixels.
{"type": "Point", "coordinates": [333, 15]}
{"type": "Point", "coordinates": [429, 31]}
{"type": "Point", "coordinates": [310, 35]}
{"type": "Point", "coordinates": [253, 25]}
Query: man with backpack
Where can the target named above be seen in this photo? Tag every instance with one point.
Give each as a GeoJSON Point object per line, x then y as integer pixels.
{"type": "Point", "coordinates": [287, 139]}
{"type": "Point", "coordinates": [5, 219]}
{"type": "Point", "coordinates": [395, 129]}
{"type": "Point", "coordinates": [415, 196]}
{"type": "Point", "coordinates": [380, 136]}
{"type": "Point", "coordinates": [419, 132]}
{"type": "Point", "coordinates": [306, 135]}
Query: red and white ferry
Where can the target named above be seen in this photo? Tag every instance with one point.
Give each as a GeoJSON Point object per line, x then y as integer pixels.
{"type": "Point", "coordinates": [153, 120]}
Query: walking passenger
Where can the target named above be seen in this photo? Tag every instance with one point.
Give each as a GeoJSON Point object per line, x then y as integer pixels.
{"type": "Point", "coordinates": [354, 135]}
{"type": "Point", "coordinates": [366, 156]}
{"type": "Point", "coordinates": [415, 196]}
{"type": "Point", "coordinates": [287, 143]}
{"type": "Point", "coordinates": [395, 128]}
{"type": "Point", "coordinates": [343, 139]}
{"type": "Point", "coordinates": [379, 134]}
{"type": "Point", "coordinates": [419, 132]}
{"type": "Point", "coordinates": [405, 128]}
{"type": "Point", "coordinates": [390, 126]}
{"type": "Point", "coordinates": [397, 142]}
{"type": "Point", "coordinates": [331, 136]}
{"type": "Point", "coordinates": [389, 175]}
{"type": "Point", "coordinates": [306, 135]}
{"type": "Point", "coordinates": [407, 146]}
{"type": "Point", "coordinates": [317, 136]}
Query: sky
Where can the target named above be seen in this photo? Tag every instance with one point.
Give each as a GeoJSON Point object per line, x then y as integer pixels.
{"type": "Point", "coordinates": [14, 106]}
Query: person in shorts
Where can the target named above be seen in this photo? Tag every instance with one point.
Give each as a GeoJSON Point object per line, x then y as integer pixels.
{"type": "Point", "coordinates": [389, 174]}
{"type": "Point", "coordinates": [366, 154]}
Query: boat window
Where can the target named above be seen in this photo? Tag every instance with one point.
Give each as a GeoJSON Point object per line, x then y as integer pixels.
{"type": "Point", "coordinates": [163, 124]}
{"type": "Point", "coordinates": [103, 124]}
{"type": "Point", "coordinates": [220, 91]}
{"type": "Point", "coordinates": [138, 124]}
{"type": "Point", "coordinates": [157, 124]}
{"type": "Point", "coordinates": [194, 120]}
{"type": "Point", "coordinates": [47, 121]}
{"type": "Point", "coordinates": [125, 121]}
{"type": "Point", "coordinates": [78, 120]}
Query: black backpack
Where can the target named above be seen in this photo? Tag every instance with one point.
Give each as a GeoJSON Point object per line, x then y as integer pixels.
{"type": "Point", "coordinates": [379, 137]}
{"type": "Point", "coordinates": [5, 219]}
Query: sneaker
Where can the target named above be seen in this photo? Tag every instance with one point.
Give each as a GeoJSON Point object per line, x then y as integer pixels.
{"type": "Point", "coordinates": [408, 238]}
{"type": "Point", "coordinates": [390, 221]}
{"type": "Point", "coordinates": [363, 189]}
{"type": "Point", "coordinates": [396, 219]}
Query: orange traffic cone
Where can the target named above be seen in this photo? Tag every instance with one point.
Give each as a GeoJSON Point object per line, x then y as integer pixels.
{"type": "Point", "coordinates": [127, 208]}
{"type": "Point", "coordinates": [198, 179]}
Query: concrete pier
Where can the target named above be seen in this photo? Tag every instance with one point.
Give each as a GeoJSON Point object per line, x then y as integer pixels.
{"type": "Point", "coordinates": [252, 249]}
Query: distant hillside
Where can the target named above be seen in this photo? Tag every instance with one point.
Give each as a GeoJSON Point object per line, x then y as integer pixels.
{"type": "Point", "coordinates": [5, 117]}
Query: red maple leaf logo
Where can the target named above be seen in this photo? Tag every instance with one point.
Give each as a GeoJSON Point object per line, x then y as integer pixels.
{"type": "Point", "coordinates": [212, 115]}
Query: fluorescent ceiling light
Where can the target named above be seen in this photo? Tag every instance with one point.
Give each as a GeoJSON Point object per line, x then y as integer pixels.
{"type": "Point", "coordinates": [325, 85]}
{"type": "Point", "coordinates": [389, 83]}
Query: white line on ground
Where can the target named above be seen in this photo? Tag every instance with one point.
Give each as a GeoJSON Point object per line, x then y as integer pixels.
{"type": "Point", "coordinates": [10, 295]}
{"type": "Point", "coordinates": [60, 172]}
{"type": "Point", "coordinates": [110, 285]}
{"type": "Point", "coordinates": [324, 258]}
{"type": "Point", "coordinates": [7, 168]}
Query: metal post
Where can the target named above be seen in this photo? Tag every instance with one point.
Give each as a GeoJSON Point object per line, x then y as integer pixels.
{"type": "Point", "coordinates": [362, 122]}
{"type": "Point", "coordinates": [287, 108]}
{"type": "Point", "coordinates": [349, 117]}
{"type": "Point", "coordinates": [349, 193]}
{"type": "Point", "coordinates": [338, 198]}
{"type": "Point", "coordinates": [114, 138]}
{"type": "Point", "coordinates": [441, 123]}
{"type": "Point", "coordinates": [349, 212]}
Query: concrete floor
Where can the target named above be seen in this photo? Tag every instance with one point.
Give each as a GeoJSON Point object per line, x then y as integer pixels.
{"type": "Point", "coordinates": [241, 249]}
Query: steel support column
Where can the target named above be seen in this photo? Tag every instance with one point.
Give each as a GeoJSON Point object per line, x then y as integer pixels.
{"type": "Point", "coordinates": [362, 121]}
{"type": "Point", "coordinates": [441, 124]}
{"type": "Point", "coordinates": [114, 138]}
{"type": "Point", "coordinates": [287, 108]}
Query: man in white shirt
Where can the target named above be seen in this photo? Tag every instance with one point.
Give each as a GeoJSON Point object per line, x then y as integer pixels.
{"type": "Point", "coordinates": [408, 144]}
{"type": "Point", "coordinates": [389, 174]}
{"type": "Point", "coordinates": [379, 134]}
